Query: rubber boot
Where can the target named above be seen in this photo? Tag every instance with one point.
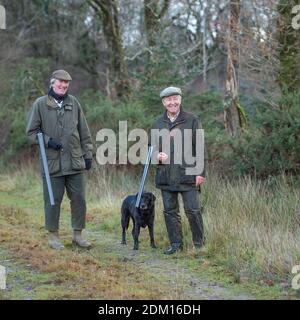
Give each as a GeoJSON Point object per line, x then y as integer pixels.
{"type": "Point", "coordinates": [78, 240]}
{"type": "Point", "coordinates": [54, 242]}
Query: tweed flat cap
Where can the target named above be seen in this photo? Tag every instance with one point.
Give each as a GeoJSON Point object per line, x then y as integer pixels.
{"type": "Point", "coordinates": [170, 91]}
{"type": "Point", "coordinates": [62, 75]}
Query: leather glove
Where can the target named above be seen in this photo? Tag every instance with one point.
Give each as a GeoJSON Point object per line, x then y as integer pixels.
{"type": "Point", "coordinates": [88, 164]}
{"type": "Point", "coordinates": [54, 144]}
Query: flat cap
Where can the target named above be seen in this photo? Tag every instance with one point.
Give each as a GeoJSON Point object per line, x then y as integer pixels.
{"type": "Point", "coordinates": [170, 91]}
{"type": "Point", "coordinates": [62, 75]}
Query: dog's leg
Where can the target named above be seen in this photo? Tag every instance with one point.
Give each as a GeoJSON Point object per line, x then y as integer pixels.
{"type": "Point", "coordinates": [125, 223]}
{"type": "Point", "coordinates": [123, 236]}
{"type": "Point", "coordinates": [151, 234]}
{"type": "Point", "coordinates": [135, 234]}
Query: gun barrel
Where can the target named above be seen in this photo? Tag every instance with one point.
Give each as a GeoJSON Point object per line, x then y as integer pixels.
{"type": "Point", "coordinates": [142, 184]}
{"type": "Point", "coordinates": [45, 167]}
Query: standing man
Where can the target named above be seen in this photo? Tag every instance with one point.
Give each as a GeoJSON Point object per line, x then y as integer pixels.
{"type": "Point", "coordinates": [68, 144]}
{"type": "Point", "coordinates": [171, 177]}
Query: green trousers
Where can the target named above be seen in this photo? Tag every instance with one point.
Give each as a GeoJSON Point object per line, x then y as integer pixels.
{"type": "Point", "coordinates": [191, 205]}
{"type": "Point", "coordinates": [74, 184]}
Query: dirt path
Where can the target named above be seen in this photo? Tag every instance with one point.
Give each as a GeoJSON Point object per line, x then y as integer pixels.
{"type": "Point", "coordinates": [183, 282]}
{"type": "Point", "coordinates": [170, 272]}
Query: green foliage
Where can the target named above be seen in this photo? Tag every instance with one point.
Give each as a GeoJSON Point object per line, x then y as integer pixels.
{"type": "Point", "coordinates": [24, 84]}
{"type": "Point", "coordinates": [289, 44]}
{"type": "Point", "coordinates": [27, 82]}
{"type": "Point", "coordinates": [208, 107]}
{"type": "Point", "coordinates": [103, 113]}
{"type": "Point", "coordinates": [163, 69]}
{"type": "Point", "coordinates": [270, 146]}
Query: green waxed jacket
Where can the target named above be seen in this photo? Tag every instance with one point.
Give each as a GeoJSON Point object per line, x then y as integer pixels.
{"type": "Point", "coordinates": [172, 176]}
{"type": "Point", "coordinates": [66, 125]}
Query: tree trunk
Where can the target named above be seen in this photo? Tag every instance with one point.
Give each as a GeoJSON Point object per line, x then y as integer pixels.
{"type": "Point", "coordinates": [153, 15]}
{"type": "Point", "coordinates": [289, 46]}
{"type": "Point", "coordinates": [107, 11]}
{"type": "Point", "coordinates": [231, 104]}
{"type": "Point", "coordinates": [204, 53]}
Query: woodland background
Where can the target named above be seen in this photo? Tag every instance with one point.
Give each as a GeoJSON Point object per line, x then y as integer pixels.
{"type": "Point", "coordinates": [238, 64]}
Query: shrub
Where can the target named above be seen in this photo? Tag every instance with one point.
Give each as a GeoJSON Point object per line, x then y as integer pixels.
{"type": "Point", "coordinates": [271, 144]}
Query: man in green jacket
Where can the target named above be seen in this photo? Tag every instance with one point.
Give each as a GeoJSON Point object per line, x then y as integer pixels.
{"type": "Point", "coordinates": [171, 176]}
{"type": "Point", "coordinates": [59, 116]}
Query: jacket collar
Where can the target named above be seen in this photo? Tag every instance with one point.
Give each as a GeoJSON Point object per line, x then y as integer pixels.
{"type": "Point", "coordinates": [67, 103]}
{"type": "Point", "coordinates": [180, 118]}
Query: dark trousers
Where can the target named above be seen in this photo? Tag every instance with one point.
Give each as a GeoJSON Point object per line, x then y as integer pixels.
{"type": "Point", "coordinates": [74, 185]}
{"type": "Point", "coordinates": [173, 219]}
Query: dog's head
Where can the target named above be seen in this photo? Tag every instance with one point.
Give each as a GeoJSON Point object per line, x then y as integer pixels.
{"type": "Point", "coordinates": [147, 201]}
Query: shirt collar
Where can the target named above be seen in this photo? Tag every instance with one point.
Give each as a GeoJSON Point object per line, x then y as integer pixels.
{"type": "Point", "coordinates": [59, 103]}
{"type": "Point", "coordinates": [173, 118]}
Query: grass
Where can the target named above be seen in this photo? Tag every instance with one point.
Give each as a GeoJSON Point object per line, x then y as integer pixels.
{"type": "Point", "coordinates": [254, 226]}
{"type": "Point", "coordinates": [252, 232]}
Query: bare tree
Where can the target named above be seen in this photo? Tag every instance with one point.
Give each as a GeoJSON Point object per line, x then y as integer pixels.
{"type": "Point", "coordinates": [153, 15]}
{"type": "Point", "coordinates": [107, 12]}
{"type": "Point", "coordinates": [258, 43]}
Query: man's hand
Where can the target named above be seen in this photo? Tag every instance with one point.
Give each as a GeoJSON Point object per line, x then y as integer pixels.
{"type": "Point", "coordinates": [88, 164]}
{"type": "Point", "coordinates": [162, 157]}
{"type": "Point", "coordinates": [54, 144]}
{"type": "Point", "coordinates": [199, 180]}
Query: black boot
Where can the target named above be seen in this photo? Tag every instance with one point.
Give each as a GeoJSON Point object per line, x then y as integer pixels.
{"type": "Point", "coordinates": [174, 248]}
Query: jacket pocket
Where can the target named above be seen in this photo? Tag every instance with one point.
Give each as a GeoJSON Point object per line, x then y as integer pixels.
{"type": "Point", "coordinates": [186, 179]}
{"type": "Point", "coordinates": [161, 177]}
{"type": "Point", "coordinates": [77, 160]}
{"type": "Point", "coordinates": [53, 161]}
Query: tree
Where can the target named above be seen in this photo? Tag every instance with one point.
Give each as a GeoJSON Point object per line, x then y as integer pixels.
{"type": "Point", "coordinates": [289, 48]}
{"type": "Point", "coordinates": [153, 15]}
{"type": "Point", "coordinates": [233, 113]}
{"type": "Point", "coordinates": [107, 12]}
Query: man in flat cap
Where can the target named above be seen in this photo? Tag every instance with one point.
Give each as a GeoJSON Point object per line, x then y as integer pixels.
{"type": "Point", "coordinates": [171, 176]}
{"type": "Point", "coordinates": [59, 116]}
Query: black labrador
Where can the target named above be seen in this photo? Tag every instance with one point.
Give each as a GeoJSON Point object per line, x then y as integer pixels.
{"type": "Point", "coordinates": [141, 217]}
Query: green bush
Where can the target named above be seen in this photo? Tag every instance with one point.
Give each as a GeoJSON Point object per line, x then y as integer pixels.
{"type": "Point", "coordinates": [269, 147]}
{"type": "Point", "coordinates": [20, 87]}
{"type": "Point", "coordinates": [103, 113]}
